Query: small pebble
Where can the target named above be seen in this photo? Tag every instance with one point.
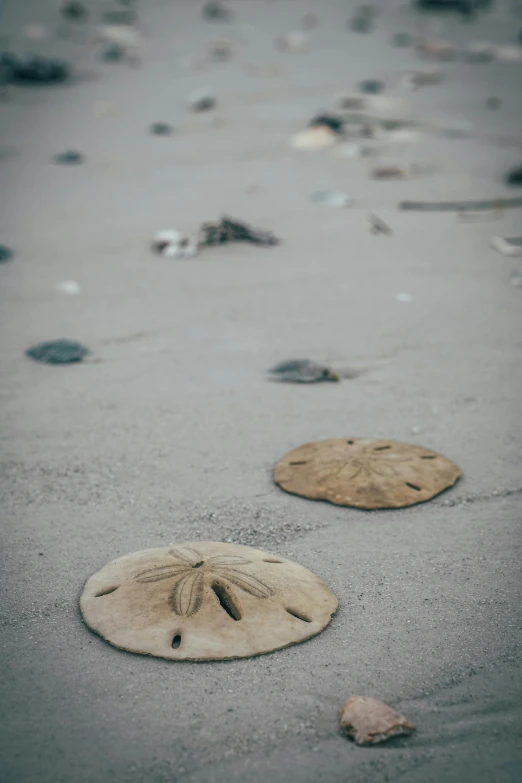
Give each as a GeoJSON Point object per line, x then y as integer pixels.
{"type": "Point", "coordinates": [216, 12]}
{"type": "Point", "coordinates": [332, 198]}
{"type": "Point", "coordinates": [371, 86]}
{"type": "Point", "coordinates": [161, 129]}
{"type": "Point", "coordinates": [58, 352]}
{"type": "Point", "coordinates": [201, 100]}
{"type": "Point", "coordinates": [112, 53]}
{"type": "Point", "coordinates": [74, 11]}
{"type": "Point", "coordinates": [6, 254]}
{"type": "Point", "coordinates": [71, 157]}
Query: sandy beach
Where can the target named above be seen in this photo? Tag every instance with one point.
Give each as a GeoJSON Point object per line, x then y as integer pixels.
{"type": "Point", "coordinates": [170, 431]}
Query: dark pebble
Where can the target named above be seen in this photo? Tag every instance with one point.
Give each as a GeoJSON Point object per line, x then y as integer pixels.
{"type": "Point", "coordinates": [58, 352]}
{"type": "Point", "coordinates": [112, 53]}
{"type": "Point", "coordinates": [332, 121]}
{"type": "Point", "coordinates": [71, 157]}
{"type": "Point", "coordinates": [514, 177]}
{"type": "Point", "coordinates": [216, 12]}
{"type": "Point", "coordinates": [161, 129]}
{"type": "Point", "coordinates": [371, 86]}
{"type": "Point", "coordinates": [74, 11]}
{"type": "Point", "coordinates": [6, 254]}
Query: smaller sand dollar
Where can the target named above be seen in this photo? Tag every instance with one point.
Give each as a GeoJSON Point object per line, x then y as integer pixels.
{"type": "Point", "coordinates": [205, 600]}
{"type": "Point", "coordinates": [365, 473]}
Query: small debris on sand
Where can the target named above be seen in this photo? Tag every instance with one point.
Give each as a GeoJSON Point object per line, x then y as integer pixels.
{"type": "Point", "coordinates": [479, 52]}
{"type": "Point", "coordinates": [216, 12]}
{"type": "Point", "coordinates": [378, 226]}
{"type": "Point", "coordinates": [294, 41]}
{"type": "Point", "coordinates": [461, 206]}
{"type": "Point", "coordinates": [368, 721]}
{"type": "Point", "coordinates": [390, 171]}
{"type": "Point", "coordinates": [33, 69]}
{"type": "Point", "coordinates": [493, 102]}
{"type": "Point", "coordinates": [68, 158]}
{"type": "Point", "coordinates": [507, 246]}
{"type": "Point", "coordinates": [331, 121]}
{"type": "Point", "coordinates": [317, 138]}
{"type": "Point", "coordinates": [125, 38]}
{"type": "Point", "coordinates": [58, 352]}
{"type": "Point", "coordinates": [201, 100]}
{"type": "Point", "coordinates": [332, 198]}
{"type": "Point", "coordinates": [371, 86]}
{"type": "Point", "coordinates": [427, 77]}
{"type": "Point", "coordinates": [231, 230]}
{"type": "Point", "coordinates": [70, 287]}
{"type": "Point", "coordinates": [74, 11]}
{"type": "Point", "coordinates": [302, 371]}
{"type": "Point", "coordinates": [6, 254]}
{"type": "Point", "coordinates": [172, 243]}
{"type": "Point", "coordinates": [161, 129]}
{"type": "Point", "coordinates": [514, 177]}
{"type": "Point", "coordinates": [435, 49]}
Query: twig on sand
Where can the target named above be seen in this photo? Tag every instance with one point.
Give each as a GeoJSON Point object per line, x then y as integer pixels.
{"type": "Point", "coordinates": [460, 206]}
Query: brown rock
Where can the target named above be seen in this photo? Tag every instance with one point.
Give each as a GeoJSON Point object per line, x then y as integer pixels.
{"type": "Point", "coordinates": [368, 721]}
{"type": "Point", "coordinates": [205, 600]}
{"type": "Point", "coordinates": [365, 473]}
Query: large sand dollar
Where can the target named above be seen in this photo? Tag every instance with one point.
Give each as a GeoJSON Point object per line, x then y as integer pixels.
{"type": "Point", "coordinates": [205, 600]}
{"type": "Point", "coordinates": [365, 473]}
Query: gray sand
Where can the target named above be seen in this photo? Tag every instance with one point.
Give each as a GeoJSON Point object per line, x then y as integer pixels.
{"type": "Point", "coordinates": [173, 434]}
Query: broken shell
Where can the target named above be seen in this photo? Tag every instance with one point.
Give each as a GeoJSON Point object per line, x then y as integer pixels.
{"type": "Point", "coordinates": [365, 473]}
{"type": "Point", "coordinates": [368, 721]}
{"type": "Point", "coordinates": [510, 247]}
{"type": "Point", "coordinates": [317, 138]}
{"type": "Point", "coordinates": [205, 600]}
{"type": "Point", "coordinates": [303, 371]}
{"type": "Point", "coordinates": [332, 198]}
{"type": "Point", "coordinates": [58, 352]}
{"type": "Point", "coordinates": [172, 243]}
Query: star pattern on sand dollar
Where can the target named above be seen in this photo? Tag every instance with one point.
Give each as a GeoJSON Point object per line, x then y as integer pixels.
{"type": "Point", "coordinates": [191, 570]}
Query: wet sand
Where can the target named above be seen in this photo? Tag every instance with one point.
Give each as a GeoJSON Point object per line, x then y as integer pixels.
{"type": "Point", "coordinates": [172, 435]}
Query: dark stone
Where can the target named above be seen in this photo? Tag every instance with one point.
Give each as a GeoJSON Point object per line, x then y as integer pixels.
{"type": "Point", "coordinates": [332, 121]}
{"type": "Point", "coordinates": [514, 177]}
{"type": "Point", "coordinates": [58, 352]}
{"type": "Point", "coordinates": [371, 86]}
{"type": "Point", "coordinates": [231, 230]}
{"type": "Point", "coordinates": [302, 371]}
{"type": "Point", "coordinates": [161, 129]}
{"type": "Point", "coordinates": [6, 254]}
{"type": "Point", "coordinates": [71, 157]}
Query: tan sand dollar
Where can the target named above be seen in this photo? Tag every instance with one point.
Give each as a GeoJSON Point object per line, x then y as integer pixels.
{"type": "Point", "coordinates": [205, 600]}
{"type": "Point", "coordinates": [365, 473]}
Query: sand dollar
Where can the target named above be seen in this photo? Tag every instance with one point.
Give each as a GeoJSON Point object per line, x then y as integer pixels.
{"type": "Point", "coordinates": [205, 600]}
{"type": "Point", "coordinates": [365, 473]}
